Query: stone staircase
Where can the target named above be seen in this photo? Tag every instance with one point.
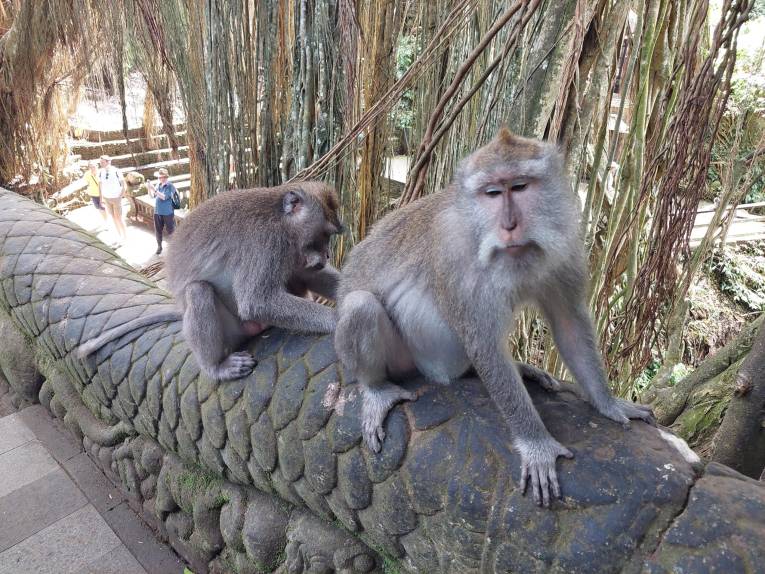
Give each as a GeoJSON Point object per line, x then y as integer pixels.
{"type": "Point", "coordinates": [136, 153]}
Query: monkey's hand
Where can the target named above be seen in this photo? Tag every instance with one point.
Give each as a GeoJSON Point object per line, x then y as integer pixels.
{"type": "Point", "coordinates": [538, 464]}
{"type": "Point", "coordinates": [376, 403]}
{"type": "Point", "coordinates": [621, 411]}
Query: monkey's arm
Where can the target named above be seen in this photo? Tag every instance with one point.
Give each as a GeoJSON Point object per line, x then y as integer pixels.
{"type": "Point", "coordinates": [282, 309]}
{"type": "Point", "coordinates": [575, 338]}
{"type": "Point", "coordinates": [323, 282]}
{"type": "Point", "coordinates": [490, 356]}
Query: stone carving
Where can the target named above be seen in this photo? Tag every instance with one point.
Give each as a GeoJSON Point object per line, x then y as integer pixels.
{"type": "Point", "coordinates": [268, 474]}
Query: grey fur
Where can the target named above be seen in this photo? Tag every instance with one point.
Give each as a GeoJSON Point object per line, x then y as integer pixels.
{"type": "Point", "coordinates": [247, 255]}
{"type": "Point", "coordinates": [90, 347]}
{"type": "Point", "coordinates": [433, 289]}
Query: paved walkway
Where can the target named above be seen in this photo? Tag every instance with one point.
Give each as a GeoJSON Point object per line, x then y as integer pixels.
{"type": "Point", "coordinates": [59, 513]}
{"type": "Point", "coordinates": [139, 247]}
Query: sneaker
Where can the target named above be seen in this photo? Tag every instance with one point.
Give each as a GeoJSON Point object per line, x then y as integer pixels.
{"type": "Point", "coordinates": [159, 250]}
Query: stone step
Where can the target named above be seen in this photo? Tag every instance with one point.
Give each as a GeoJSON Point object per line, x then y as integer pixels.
{"type": "Point", "coordinates": [181, 181]}
{"type": "Point", "coordinates": [130, 160]}
{"type": "Point", "coordinates": [109, 135]}
{"type": "Point", "coordinates": [93, 150]}
{"type": "Point", "coordinates": [173, 167]}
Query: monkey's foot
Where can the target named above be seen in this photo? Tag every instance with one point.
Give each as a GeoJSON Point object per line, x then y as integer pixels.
{"type": "Point", "coordinates": [540, 377]}
{"type": "Point", "coordinates": [621, 411]}
{"type": "Point", "coordinates": [538, 464]}
{"type": "Point", "coordinates": [235, 366]}
{"type": "Point", "coordinates": [376, 404]}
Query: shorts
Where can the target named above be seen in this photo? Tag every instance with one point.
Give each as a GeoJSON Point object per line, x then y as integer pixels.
{"type": "Point", "coordinates": [114, 207]}
{"type": "Point", "coordinates": [97, 202]}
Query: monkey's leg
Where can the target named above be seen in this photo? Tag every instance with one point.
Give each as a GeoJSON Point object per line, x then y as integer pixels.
{"type": "Point", "coordinates": [540, 377]}
{"type": "Point", "coordinates": [369, 345]}
{"type": "Point", "coordinates": [210, 334]}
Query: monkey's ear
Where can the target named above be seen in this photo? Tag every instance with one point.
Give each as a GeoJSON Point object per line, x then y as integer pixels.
{"type": "Point", "coordinates": [505, 136]}
{"type": "Point", "coordinates": [292, 202]}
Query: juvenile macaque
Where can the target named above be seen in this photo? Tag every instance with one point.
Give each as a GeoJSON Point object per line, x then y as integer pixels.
{"type": "Point", "coordinates": [434, 287]}
{"type": "Point", "coordinates": [242, 261]}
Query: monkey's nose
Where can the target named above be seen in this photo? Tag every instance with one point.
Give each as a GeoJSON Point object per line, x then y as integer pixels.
{"type": "Point", "coordinates": [509, 223]}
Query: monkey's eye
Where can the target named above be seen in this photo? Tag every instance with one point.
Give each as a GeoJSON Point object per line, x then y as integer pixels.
{"type": "Point", "coordinates": [519, 186]}
{"type": "Point", "coordinates": [494, 191]}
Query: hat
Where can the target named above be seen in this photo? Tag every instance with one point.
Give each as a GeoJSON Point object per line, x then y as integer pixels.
{"type": "Point", "coordinates": [106, 157]}
{"type": "Point", "coordinates": [160, 172]}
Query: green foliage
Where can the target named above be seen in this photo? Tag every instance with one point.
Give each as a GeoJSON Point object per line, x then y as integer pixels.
{"type": "Point", "coordinates": [740, 274]}
{"type": "Point", "coordinates": [743, 125]}
{"type": "Point", "coordinates": [404, 108]}
{"type": "Point", "coordinates": [679, 372]}
{"type": "Point", "coordinates": [643, 380]}
{"type": "Point", "coordinates": [390, 566]}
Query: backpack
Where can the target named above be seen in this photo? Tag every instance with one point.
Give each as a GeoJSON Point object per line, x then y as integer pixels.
{"type": "Point", "coordinates": [175, 199]}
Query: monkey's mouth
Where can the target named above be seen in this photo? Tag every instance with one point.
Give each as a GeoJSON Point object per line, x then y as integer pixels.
{"type": "Point", "coordinates": [516, 248]}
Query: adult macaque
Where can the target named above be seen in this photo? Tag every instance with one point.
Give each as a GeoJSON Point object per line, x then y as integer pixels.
{"type": "Point", "coordinates": [242, 261]}
{"type": "Point", "coordinates": [435, 285]}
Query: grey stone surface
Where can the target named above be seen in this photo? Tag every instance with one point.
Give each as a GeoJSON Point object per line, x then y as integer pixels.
{"type": "Point", "coordinates": [116, 561]}
{"type": "Point", "coordinates": [90, 479]}
{"type": "Point", "coordinates": [36, 506]}
{"type": "Point", "coordinates": [51, 433]}
{"type": "Point", "coordinates": [13, 432]}
{"type": "Point", "coordinates": [706, 538]}
{"type": "Point", "coordinates": [23, 465]}
{"type": "Point", "coordinates": [153, 556]}
{"type": "Point", "coordinates": [67, 545]}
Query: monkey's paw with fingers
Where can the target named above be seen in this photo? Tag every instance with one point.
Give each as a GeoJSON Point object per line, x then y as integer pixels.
{"type": "Point", "coordinates": [538, 467]}
{"type": "Point", "coordinates": [236, 366]}
{"type": "Point", "coordinates": [376, 404]}
{"type": "Point", "coordinates": [622, 410]}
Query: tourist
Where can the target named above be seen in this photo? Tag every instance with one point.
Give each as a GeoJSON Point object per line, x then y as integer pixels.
{"type": "Point", "coordinates": [164, 212]}
{"type": "Point", "coordinates": [113, 187]}
{"type": "Point", "coordinates": [94, 190]}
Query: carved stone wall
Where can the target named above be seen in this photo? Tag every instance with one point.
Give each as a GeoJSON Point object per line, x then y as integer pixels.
{"type": "Point", "coordinates": [268, 474]}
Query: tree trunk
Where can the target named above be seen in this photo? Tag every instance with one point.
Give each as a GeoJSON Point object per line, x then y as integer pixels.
{"type": "Point", "coordinates": [669, 403]}
{"type": "Point", "coordinates": [740, 440]}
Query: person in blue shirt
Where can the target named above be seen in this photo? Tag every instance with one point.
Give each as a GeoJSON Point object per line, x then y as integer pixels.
{"type": "Point", "coordinates": [164, 214]}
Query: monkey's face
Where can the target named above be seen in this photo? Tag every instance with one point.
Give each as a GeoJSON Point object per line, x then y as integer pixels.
{"type": "Point", "coordinates": [318, 233]}
{"type": "Point", "coordinates": [311, 212]}
{"type": "Point", "coordinates": [514, 191]}
{"type": "Point", "coordinates": [316, 248]}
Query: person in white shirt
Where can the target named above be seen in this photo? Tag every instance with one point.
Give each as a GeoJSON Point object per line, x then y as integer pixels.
{"type": "Point", "coordinates": [113, 187]}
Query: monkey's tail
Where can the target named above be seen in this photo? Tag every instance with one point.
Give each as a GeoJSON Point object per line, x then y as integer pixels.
{"type": "Point", "coordinates": [93, 345]}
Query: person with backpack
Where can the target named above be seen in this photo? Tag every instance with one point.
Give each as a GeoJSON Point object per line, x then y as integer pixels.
{"type": "Point", "coordinates": [166, 202]}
